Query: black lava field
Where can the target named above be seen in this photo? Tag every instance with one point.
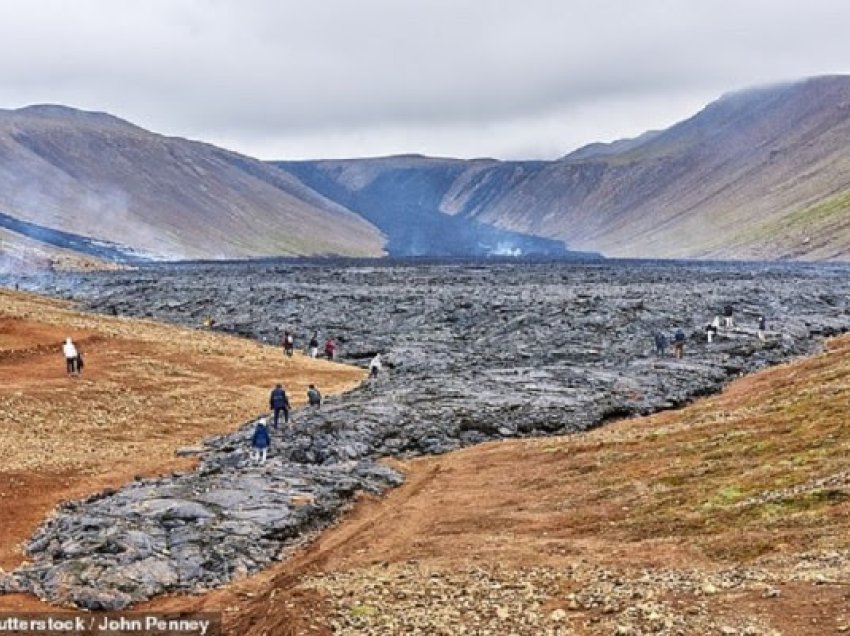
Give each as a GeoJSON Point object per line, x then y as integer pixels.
{"type": "Point", "coordinates": [472, 352]}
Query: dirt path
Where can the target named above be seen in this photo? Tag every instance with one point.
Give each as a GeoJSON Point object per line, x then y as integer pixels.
{"type": "Point", "coordinates": [146, 390]}
{"type": "Point", "coordinates": [731, 516]}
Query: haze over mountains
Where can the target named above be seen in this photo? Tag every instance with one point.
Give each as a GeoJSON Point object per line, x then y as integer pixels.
{"type": "Point", "coordinates": [758, 174]}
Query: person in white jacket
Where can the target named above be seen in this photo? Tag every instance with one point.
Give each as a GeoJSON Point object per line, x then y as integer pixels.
{"type": "Point", "coordinates": [375, 366]}
{"type": "Point", "coordinates": [71, 357]}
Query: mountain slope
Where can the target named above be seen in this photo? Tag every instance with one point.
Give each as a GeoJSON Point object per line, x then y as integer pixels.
{"type": "Point", "coordinates": [758, 174]}
{"type": "Point", "coordinates": [96, 175]}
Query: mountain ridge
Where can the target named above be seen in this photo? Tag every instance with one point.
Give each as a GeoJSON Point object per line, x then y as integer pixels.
{"type": "Point", "coordinates": [757, 174]}
{"type": "Point", "coordinates": [96, 175]}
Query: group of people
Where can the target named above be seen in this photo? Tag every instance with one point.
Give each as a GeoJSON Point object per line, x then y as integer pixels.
{"type": "Point", "coordinates": [727, 321]}
{"type": "Point", "coordinates": [312, 347]}
{"type": "Point", "coordinates": [279, 406]}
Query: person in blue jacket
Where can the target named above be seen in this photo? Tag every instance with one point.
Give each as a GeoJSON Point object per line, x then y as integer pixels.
{"type": "Point", "coordinates": [278, 402]}
{"type": "Point", "coordinates": [260, 442]}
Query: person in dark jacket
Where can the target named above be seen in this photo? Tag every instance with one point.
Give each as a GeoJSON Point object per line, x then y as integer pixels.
{"type": "Point", "coordinates": [260, 442]}
{"type": "Point", "coordinates": [314, 397]}
{"type": "Point", "coordinates": [314, 345]}
{"type": "Point", "coordinates": [279, 403]}
{"type": "Point", "coordinates": [679, 343]}
{"type": "Point", "coordinates": [762, 328]}
{"type": "Point", "coordinates": [660, 344]}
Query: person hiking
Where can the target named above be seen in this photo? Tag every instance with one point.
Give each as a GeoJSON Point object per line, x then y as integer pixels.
{"type": "Point", "coordinates": [375, 366]}
{"type": "Point", "coordinates": [710, 332]}
{"type": "Point", "coordinates": [762, 328]}
{"type": "Point", "coordinates": [330, 348]}
{"type": "Point", "coordinates": [660, 344]}
{"type": "Point", "coordinates": [679, 343]}
{"type": "Point", "coordinates": [71, 357]}
{"type": "Point", "coordinates": [314, 397]}
{"type": "Point", "coordinates": [260, 442]}
{"type": "Point", "coordinates": [728, 312]}
{"type": "Point", "coordinates": [288, 343]}
{"type": "Point", "coordinates": [314, 344]}
{"type": "Point", "coordinates": [279, 403]}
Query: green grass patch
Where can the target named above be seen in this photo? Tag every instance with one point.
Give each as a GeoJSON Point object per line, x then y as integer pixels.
{"type": "Point", "coordinates": [360, 611]}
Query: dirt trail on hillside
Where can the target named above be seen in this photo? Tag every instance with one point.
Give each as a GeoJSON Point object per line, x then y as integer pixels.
{"type": "Point", "coordinates": [146, 390]}
{"type": "Point", "coordinates": [731, 516]}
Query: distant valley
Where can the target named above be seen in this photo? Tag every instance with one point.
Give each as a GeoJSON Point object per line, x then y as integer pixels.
{"type": "Point", "coordinates": [757, 174]}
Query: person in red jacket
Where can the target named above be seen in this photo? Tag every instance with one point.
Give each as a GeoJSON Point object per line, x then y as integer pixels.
{"type": "Point", "coordinates": [330, 348]}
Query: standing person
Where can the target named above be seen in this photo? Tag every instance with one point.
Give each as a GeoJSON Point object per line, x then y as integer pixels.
{"type": "Point", "coordinates": [762, 328]}
{"type": "Point", "coordinates": [71, 357]}
{"type": "Point", "coordinates": [279, 403]}
{"type": "Point", "coordinates": [314, 397]}
{"type": "Point", "coordinates": [375, 366]}
{"type": "Point", "coordinates": [288, 343]}
{"type": "Point", "coordinates": [660, 344]}
{"type": "Point", "coordinates": [679, 343]}
{"type": "Point", "coordinates": [260, 442]}
{"type": "Point", "coordinates": [710, 332]}
{"type": "Point", "coordinates": [330, 348]}
{"type": "Point", "coordinates": [728, 312]}
{"type": "Point", "coordinates": [314, 344]}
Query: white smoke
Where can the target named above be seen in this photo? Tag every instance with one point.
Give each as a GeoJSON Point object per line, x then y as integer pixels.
{"type": "Point", "coordinates": [504, 248]}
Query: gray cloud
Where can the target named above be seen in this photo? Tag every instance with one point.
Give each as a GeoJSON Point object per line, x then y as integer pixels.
{"type": "Point", "coordinates": [288, 78]}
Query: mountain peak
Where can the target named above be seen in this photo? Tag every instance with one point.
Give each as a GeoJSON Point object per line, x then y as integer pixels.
{"type": "Point", "coordinates": [61, 113]}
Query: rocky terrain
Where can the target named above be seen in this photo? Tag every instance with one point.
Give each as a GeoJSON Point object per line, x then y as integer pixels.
{"type": "Point", "coordinates": [472, 353]}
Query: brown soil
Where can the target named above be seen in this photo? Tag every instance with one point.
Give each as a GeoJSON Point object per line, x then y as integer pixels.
{"type": "Point", "coordinates": [146, 390]}
{"type": "Point", "coordinates": [731, 516]}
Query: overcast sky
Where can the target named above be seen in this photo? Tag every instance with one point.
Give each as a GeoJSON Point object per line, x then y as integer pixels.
{"type": "Point", "coordinates": [286, 79]}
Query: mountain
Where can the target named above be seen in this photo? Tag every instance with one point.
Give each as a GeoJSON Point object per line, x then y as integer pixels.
{"type": "Point", "coordinates": [103, 180]}
{"type": "Point", "coordinates": [758, 174]}
{"type": "Point", "coordinates": [402, 196]}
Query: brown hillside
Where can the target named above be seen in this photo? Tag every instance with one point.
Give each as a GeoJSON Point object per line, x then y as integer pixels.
{"type": "Point", "coordinates": [731, 516]}
{"type": "Point", "coordinates": [146, 390]}
{"type": "Point", "coordinates": [99, 176]}
{"type": "Point", "coordinates": [760, 174]}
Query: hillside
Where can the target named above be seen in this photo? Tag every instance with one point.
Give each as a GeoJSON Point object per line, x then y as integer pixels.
{"type": "Point", "coordinates": [146, 390]}
{"type": "Point", "coordinates": [727, 517]}
{"type": "Point", "coordinates": [98, 176]}
{"type": "Point", "coordinates": [758, 174]}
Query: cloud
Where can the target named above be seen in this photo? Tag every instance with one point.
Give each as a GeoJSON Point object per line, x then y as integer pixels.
{"type": "Point", "coordinates": [341, 78]}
